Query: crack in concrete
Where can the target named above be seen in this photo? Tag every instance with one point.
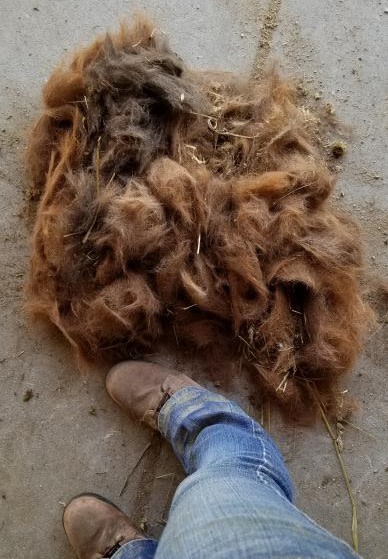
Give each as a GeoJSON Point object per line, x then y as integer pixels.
{"type": "Point", "coordinates": [267, 30]}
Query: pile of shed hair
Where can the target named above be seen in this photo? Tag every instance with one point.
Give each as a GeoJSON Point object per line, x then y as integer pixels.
{"type": "Point", "coordinates": [193, 205]}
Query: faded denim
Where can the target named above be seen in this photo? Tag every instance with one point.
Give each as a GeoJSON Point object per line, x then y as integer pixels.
{"type": "Point", "coordinates": [236, 502]}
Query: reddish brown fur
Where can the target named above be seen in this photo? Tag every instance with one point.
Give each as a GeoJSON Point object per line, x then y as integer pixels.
{"type": "Point", "coordinates": [179, 202]}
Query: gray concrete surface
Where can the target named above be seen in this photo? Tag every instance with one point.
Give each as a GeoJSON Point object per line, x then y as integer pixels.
{"type": "Point", "coordinates": [69, 437]}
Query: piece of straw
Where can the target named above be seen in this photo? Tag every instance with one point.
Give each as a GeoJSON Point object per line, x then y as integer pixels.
{"type": "Point", "coordinates": [343, 468]}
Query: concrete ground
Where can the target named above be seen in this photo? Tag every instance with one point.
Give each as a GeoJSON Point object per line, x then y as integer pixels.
{"type": "Point", "coordinates": [69, 437]}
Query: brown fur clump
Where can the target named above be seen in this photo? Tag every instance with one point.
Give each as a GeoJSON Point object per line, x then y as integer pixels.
{"type": "Point", "coordinates": [192, 204]}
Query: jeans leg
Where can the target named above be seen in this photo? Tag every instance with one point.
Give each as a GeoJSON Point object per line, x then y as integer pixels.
{"type": "Point", "coordinates": [137, 549]}
{"type": "Point", "coordinates": [236, 502]}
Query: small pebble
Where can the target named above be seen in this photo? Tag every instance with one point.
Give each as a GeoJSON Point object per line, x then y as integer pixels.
{"type": "Point", "coordinates": [28, 395]}
{"type": "Point", "coordinates": [338, 149]}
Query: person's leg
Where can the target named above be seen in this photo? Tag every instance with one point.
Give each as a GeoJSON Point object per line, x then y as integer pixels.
{"type": "Point", "coordinates": [136, 549]}
{"type": "Point", "coordinates": [95, 528]}
{"type": "Point", "coordinates": [237, 501]}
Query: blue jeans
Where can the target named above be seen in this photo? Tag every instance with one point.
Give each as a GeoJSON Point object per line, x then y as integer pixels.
{"type": "Point", "coordinates": [236, 502]}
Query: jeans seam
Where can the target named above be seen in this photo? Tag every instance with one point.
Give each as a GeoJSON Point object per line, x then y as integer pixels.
{"type": "Point", "coordinates": [262, 476]}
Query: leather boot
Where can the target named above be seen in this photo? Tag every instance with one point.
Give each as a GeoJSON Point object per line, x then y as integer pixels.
{"type": "Point", "coordinates": [96, 528]}
{"type": "Point", "coordinates": [141, 388]}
